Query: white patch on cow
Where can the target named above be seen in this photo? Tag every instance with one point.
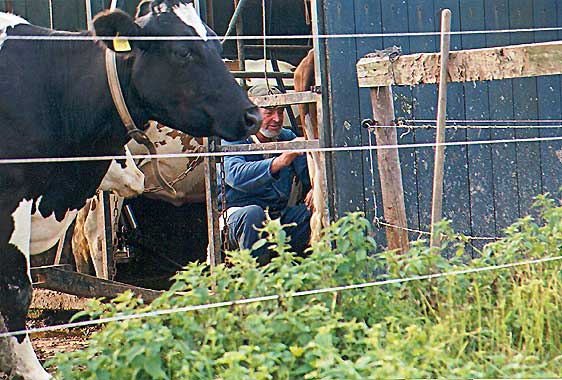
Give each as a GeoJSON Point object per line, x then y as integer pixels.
{"type": "Point", "coordinates": [46, 232]}
{"type": "Point", "coordinates": [126, 182]}
{"type": "Point", "coordinates": [191, 187]}
{"type": "Point", "coordinates": [163, 7]}
{"type": "Point", "coordinates": [188, 14]}
{"type": "Point", "coordinates": [21, 235]}
{"type": "Point", "coordinates": [8, 20]}
{"type": "Point", "coordinates": [34, 234]}
{"type": "Point", "coordinates": [27, 364]}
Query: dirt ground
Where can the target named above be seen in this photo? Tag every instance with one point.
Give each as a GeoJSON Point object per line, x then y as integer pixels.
{"type": "Point", "coordinates": [47, 344]}
{"type": "Point", "coordinates": [51, 309]}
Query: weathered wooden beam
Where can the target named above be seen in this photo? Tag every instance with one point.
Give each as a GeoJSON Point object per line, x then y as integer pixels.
{"type": "Point", "coordinates": [212, 192]}
{"type": "Point", "coordinates": [281, 145]}
{"type": "Point", "coordinates": [502, 62]}
{"type": "Point", "coordinates": [285, 99]}
{"type": "Point", "coordinates": [390, 174]}
{"type": "Point", "coordinates": [83, 285]}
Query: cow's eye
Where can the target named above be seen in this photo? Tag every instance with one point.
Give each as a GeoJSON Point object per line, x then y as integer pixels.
{"type": "Point", "coordinates": [184, 54]}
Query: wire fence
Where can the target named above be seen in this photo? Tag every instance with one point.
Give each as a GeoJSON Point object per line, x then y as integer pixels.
{"type": "Point", "coordinates": [410, 124]}
{"type": "Point", "coordinates": [273, 297]}
{"type": "Point", "coordinates": [346, 149]}
{"type": "Point", "coordinates": [291, 36]}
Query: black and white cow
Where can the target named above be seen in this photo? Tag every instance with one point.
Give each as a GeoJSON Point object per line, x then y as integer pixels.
{"type": "Point", "coordinates": [56, 102]}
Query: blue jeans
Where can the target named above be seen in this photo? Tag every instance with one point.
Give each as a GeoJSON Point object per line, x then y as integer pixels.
{"type": "Point", "coordinates": [242, 234]}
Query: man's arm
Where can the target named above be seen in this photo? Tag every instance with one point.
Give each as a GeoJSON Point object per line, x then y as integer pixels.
{"type": "Point", "coordinates": [283, 161]}
{"type": "Point", "coordinates": [247, 175]}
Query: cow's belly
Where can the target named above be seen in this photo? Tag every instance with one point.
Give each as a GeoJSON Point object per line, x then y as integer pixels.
{"type": "Point", "coordinates": [35, 233]}
{"type": "Point", "coordinates": [46, 232]}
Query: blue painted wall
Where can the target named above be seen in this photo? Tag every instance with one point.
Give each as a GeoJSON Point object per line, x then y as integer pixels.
{"type": "Point", "coordinates": [66, 14]}
{"type": "Point", "coordinates": [486, 187]}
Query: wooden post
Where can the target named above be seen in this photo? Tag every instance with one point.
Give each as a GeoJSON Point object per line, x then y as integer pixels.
{"type": "Point", "coordinates": [323, 134]}
{"type": "Point", "coordinates": [211, 190]}
{"type": "Point", "coordinates": [437, 201]}
{"type": "Point", "coordinates": [107, 236]}
{"type": "Point", "coordinates": [389, 169]}
{"type": "Point", "coordinates": [9, 6]}
{"type": "Point", "coordinates": [89, 15]}
{"type": "Point", "coordinates": [240, 43]}
{"type": "Point", "coordinates": [210, 14]}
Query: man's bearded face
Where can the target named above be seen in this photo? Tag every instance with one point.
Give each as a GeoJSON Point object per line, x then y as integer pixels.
{"type": "Point", "coordinates": [272, 123]}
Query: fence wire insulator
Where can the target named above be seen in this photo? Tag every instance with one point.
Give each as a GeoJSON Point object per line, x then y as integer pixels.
{"type": "Point", "coordinates": [316, 89]}
{"type": "Point", "coordinates": [408, 130]}
{"type": "Point", "coordinates": [379, 221]}
{"type": "Point", "coordinates": [369, 123]}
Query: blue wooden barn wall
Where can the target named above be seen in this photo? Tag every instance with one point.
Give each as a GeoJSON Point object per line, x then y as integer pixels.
{"type": "Point", "coordinates": [486, 187]}
{"type": "Point", "coordinates": [67, 14]}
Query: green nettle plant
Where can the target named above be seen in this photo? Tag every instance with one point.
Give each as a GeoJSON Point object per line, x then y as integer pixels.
{"type": "Point", "coordinates": [497, 323]}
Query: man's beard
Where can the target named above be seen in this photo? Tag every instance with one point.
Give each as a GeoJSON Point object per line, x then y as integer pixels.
{"type": "Point", "coordinates": [270, 135]}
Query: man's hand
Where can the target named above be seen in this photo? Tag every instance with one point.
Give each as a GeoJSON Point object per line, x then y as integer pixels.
{"type": "Point", "coordinates": [309, 200]}
{"type": "Point", "coordinates": [285, 159]}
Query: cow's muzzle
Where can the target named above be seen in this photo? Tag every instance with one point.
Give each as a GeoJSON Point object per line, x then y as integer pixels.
{"type": "Point", "coordinates": [252, 120]}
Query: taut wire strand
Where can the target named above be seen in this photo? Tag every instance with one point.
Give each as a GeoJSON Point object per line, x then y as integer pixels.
{"type": "Point", "coordinates": [273, 297]}
{"type": "Point", "coordinates": [5, 161]}
{"type": "Point", "coordinates": [296, 36]}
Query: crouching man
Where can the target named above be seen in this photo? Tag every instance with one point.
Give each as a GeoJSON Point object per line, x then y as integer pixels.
{"type": "Point", "coordinates": [255, 183]}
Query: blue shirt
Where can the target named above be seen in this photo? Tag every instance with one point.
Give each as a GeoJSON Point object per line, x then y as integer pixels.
{"type": "Point", "coordinates": [248, 178]}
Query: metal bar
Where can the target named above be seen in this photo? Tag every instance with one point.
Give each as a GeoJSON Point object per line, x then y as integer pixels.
{"type": "Point", "coordinates": [281, 85]}
{"type": "Point", "coordinates": [280, 47]}
{"type": "Point", "coordinates": [437, 201]}
{"type": "Point", "coordinates": [261, 74]}
{"type": "Point", "coordinates": [235, 17]}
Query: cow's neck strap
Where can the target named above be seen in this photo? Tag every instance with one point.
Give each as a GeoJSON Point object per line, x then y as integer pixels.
{"type": "Point", "coordinates": [138, 135]}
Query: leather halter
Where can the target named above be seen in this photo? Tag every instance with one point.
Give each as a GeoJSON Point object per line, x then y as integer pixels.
{"type": "Point", "coordinates": [132, 130]}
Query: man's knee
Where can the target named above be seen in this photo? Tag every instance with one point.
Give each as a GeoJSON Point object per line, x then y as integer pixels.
{"type": "Point", "coordinates": [298, 214]}
{"type": "Point", "coordinates": [242, 225]}
{"type": "Point", "coordinates": [254, 215]}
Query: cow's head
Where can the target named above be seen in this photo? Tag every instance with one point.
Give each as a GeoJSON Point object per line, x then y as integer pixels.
{"type": "Point", "coordinates": [183, 84]}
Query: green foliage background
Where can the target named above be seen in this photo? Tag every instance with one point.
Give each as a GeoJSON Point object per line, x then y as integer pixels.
{"type": "Point", "coordinates": [500, 323]}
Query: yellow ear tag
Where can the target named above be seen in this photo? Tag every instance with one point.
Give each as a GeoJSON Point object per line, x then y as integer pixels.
{"type": "Point", "coordinates": [121, 46]}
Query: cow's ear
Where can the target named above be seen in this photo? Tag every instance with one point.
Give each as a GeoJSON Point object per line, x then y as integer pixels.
{"type": "Point", "coordinates": [216, 43]}
{"type": "Point", "coordinates": [117, 23]}
{"type": "Point", "coordinates": [143, 8]}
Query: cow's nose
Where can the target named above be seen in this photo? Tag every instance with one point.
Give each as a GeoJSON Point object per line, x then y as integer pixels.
{"type": "Point", "coordinates": [252, 119]}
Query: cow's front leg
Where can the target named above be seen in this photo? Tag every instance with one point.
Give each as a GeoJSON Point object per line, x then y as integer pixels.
{"type": "Point", "coordinates": [16, 353]}
{"type": "Point", "coordinates": [17, 357]}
